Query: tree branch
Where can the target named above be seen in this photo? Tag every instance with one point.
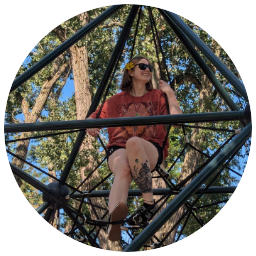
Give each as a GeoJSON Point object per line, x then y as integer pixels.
{"type": "Point", "coordinates": [60, 33]}
{"type": "Point", "coordinates": [112, 24]}
{"type": "Point", "coordinates": [187, 77]}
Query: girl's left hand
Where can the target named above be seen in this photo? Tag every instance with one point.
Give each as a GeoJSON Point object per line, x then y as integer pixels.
{"type": "Point", "coordinates": [166, 88]}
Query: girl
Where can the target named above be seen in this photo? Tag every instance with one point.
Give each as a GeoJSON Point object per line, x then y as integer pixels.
{"type": "Point", "coordinates": [133, 152]}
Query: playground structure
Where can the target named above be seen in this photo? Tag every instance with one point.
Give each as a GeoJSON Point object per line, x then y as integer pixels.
{"type": "Point", "coordinates": [56, 195]}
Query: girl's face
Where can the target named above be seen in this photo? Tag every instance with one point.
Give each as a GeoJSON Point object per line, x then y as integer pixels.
{"type": "Point", "coordinates": [141, 75]}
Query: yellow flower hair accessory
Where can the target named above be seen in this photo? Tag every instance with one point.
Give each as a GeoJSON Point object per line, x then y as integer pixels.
{"type": "Point", "coordinates": [129, 65]}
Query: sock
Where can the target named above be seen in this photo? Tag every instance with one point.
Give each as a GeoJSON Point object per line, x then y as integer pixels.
{"type": "Point", "coordinates": [148, 214]}
{"type": "Point", "coordinates": [149, 206]}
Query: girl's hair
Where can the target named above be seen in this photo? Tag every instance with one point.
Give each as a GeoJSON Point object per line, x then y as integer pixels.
{"type": "Point", "coordinates": [126, 84]}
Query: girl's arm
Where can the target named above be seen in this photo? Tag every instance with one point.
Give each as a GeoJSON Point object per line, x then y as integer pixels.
{"type": "Point", "coordinates": [93, 131]}
{"type": "Point", "coordinates": [174, 107]}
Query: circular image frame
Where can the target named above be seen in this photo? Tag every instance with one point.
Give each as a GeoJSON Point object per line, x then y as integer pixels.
{"type": "Point", "coordinates": [184, 240]}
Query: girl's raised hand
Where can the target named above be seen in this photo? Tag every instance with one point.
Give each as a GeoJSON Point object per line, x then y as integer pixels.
{"type": "Point", "coordinates": [164, 87]}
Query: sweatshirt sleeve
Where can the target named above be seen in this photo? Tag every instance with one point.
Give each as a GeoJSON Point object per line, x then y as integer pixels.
{"type": "Point", "coordinates": [102, 111]}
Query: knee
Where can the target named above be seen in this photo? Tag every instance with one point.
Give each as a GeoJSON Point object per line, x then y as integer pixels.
{"type": "Point", "coordinates": [123, 171]}
{"type": "Point", "coordinates": [133, 143]}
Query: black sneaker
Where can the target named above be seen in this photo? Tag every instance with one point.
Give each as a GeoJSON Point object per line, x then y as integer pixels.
{"type": "Point", "coordinates": [142, 217]}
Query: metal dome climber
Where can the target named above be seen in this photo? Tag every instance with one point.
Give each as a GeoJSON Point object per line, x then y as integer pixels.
{"type": "Point", "coordinates": [56, 195]}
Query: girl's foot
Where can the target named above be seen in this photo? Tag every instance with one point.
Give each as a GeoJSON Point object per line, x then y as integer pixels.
{"type": "Point", "coordinates": [118, 214]}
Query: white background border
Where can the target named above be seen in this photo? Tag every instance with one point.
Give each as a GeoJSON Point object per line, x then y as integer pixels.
{"type": "Point", "coordinates": [130, 2]}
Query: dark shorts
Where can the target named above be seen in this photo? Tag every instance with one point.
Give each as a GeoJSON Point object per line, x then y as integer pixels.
{"type": "Point", "coordinates": [112, 149]}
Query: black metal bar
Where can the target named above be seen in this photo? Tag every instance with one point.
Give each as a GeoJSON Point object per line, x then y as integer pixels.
{"type": "Point", "coordinates": [64, 46]}
{"type": "Point", "coordinates": [49, 215]}
{"type": "Point", "coordinates": [81, 227]}
{"type": "Point", "coordinates": [208, 53]}
{"type": "Point", "coordinates": [191, 49]}
{"type": "Point", "coordinates": [114, 58]}
{"type": "Point", "coordinates": [42, 207]}
{"type": "Point", "coordinates": [125, 121]}
{"type": "Point", "coordinates": [30, 179]}
{"type": "Point", "coordinates": [159, 191]}
{"type": "Point", "coordinates": [189, 190]}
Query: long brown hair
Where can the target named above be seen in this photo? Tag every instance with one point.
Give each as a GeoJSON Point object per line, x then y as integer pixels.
{"type": "Point", "coordinates": [127, 84]}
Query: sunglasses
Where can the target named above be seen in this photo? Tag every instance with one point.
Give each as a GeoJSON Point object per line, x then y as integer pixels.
{"type": "Point", "coordinates": [144, 66]}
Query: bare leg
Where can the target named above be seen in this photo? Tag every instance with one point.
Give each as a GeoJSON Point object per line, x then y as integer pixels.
{"type": "Point", "coordinates": [118, 164]}
{"type": "Point", "coordinates": [142, 158]}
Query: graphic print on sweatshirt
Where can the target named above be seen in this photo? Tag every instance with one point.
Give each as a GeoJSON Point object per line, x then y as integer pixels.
{"type": "Point", "coordinates": [144, 109]}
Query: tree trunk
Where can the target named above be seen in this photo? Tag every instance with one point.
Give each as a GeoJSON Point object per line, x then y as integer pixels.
{"type": "Point", "coordinates": [31, 117]}
{"type": "Point", "coordinates": [79, 62]}
{"type": "Point", "coordinates": [192, 157]}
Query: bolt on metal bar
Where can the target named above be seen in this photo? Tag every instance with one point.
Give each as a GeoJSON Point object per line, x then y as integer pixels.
{"type": "Point", "coordinates": [191, 49]}
{"type": "Point", "coordinates": [40, 186]}
{"type": "Point", "coordinates": [64, 46]}
{"type": "Point", "coordinates": [208, 53]}
{"type": "Point", "coordinates": [189, 190]}
{"type": "Point", "coordinates": [125, 121]}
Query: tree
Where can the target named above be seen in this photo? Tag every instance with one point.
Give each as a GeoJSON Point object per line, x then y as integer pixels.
{"type": "Point", "coordinates": [59, 70]}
